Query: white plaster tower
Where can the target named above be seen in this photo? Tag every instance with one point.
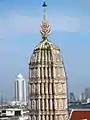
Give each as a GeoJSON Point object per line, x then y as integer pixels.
{"type": "Point", "coordinates": [20, 89]}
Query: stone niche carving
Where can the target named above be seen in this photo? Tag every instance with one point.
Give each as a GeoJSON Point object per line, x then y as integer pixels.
{"type": "Point", "coordinates": [57, 58]}
{"type": "Point", "coordinates": [34, 104]}
{"type": "Point", "coordinates": [65, 117]}
{"type": "Point", "coordinates": [65, 104]}
{"type": "Point", "coordinates": [29, 118]}
{"type": "Point", "coordinates": [33, 117]}
{"type": "Point", "coordinates": [29, 73]}
{"type": "Point", "coordinates": [32, 73]}
{"type": "Point", "coordinates": [63, 71]}
{"type": "Point", "coordinates": [56, 117]}
{"type": "Point", "coordinates": [38, 104]}
{"type": "Point", "coordinates": [61, 117]}
{"type": "Point", "coordinates": [51, 104]}
{"type": "Point", "coordinates": [29, 104]}
{"type": "Point", "coordinates": [57, 71]}
{"type": "Point", "coordinates": [42, 104]}
{"type": "Point", "coordinates": [55, 104]}
{"type": "Point", "coordinates": [29, 91]}
{"type": "Point", "coordinates": [38, 72]}
{"type": "Point", "coordinates": [59, 87]}
{"type": "Point", "coordinates": [37, 56]}
{"type": "Point", "coordinates": [35, 72]}
{"type": "Point", "coordinates": [43, 117]}
{"type": "Point", "coordinates": [36, 88]}
{"type": "Point", "coordinates": [60, 104]}
{"type": "Point", "coordinates": [33, 88]}
{"type": "Point", "coordinates": [64, 88]}
{"type": "Point", "coordinates": [33, 58]}
{"type": "Point", "coordinates": [39, 117]}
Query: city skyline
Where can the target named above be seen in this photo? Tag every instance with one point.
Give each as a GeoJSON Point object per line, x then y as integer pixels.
{"type": "Point", "coordinates": [19, 34]}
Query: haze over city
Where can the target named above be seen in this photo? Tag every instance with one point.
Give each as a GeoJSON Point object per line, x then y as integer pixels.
{"type": "Point", "coordinates": [19, 33]}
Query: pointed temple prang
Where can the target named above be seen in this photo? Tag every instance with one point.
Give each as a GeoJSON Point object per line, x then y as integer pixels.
{"type": "Point", "coordinates": [45, 27]}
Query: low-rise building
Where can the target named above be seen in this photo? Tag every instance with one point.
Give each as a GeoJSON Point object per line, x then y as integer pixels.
{"type": "Point", "coordinates": [80, 114]}
{"type": "Point", "coordinates": [13, 112]}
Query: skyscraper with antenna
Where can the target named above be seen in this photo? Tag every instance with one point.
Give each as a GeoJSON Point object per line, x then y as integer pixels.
{"type": "Point", "coordinates": [47, 86]}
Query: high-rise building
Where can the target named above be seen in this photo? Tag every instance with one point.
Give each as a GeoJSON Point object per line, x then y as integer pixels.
{"type": "Point", "coordinates": [87, 93]}
{"type": "Point", "coordinates": [20, 89]}
{"type": "Point", "coordinates": [72, 98]}
{"type": "Point", "coordinates": [47, 87]}
{"type": "Point", "coordinates": [82, 97]}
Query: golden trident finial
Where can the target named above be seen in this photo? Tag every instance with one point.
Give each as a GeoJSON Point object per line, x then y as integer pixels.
{"type": "Point", "coordinates": [45, 27]}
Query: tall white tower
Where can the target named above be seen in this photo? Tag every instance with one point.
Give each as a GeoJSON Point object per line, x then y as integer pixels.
{"type": "Point", "coordinates": [20, 89]}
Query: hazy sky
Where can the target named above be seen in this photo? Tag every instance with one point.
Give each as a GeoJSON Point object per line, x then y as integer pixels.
{"type": "Point", "coordinates": [19, 33]}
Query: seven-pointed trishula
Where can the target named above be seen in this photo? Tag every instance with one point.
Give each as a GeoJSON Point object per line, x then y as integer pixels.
{"type": "Point", "coordinates": [45, 27]}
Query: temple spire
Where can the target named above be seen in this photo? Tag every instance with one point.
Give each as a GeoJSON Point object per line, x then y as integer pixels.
{"type": "Point", "coordinates": [45, 27]}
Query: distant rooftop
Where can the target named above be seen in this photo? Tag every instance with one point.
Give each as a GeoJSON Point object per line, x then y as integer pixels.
{"type": "Point", "coordinates": [80, 114]}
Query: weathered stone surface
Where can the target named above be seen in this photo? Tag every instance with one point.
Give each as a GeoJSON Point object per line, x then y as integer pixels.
{"type": "Point", "coordinates": [47, 87]}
